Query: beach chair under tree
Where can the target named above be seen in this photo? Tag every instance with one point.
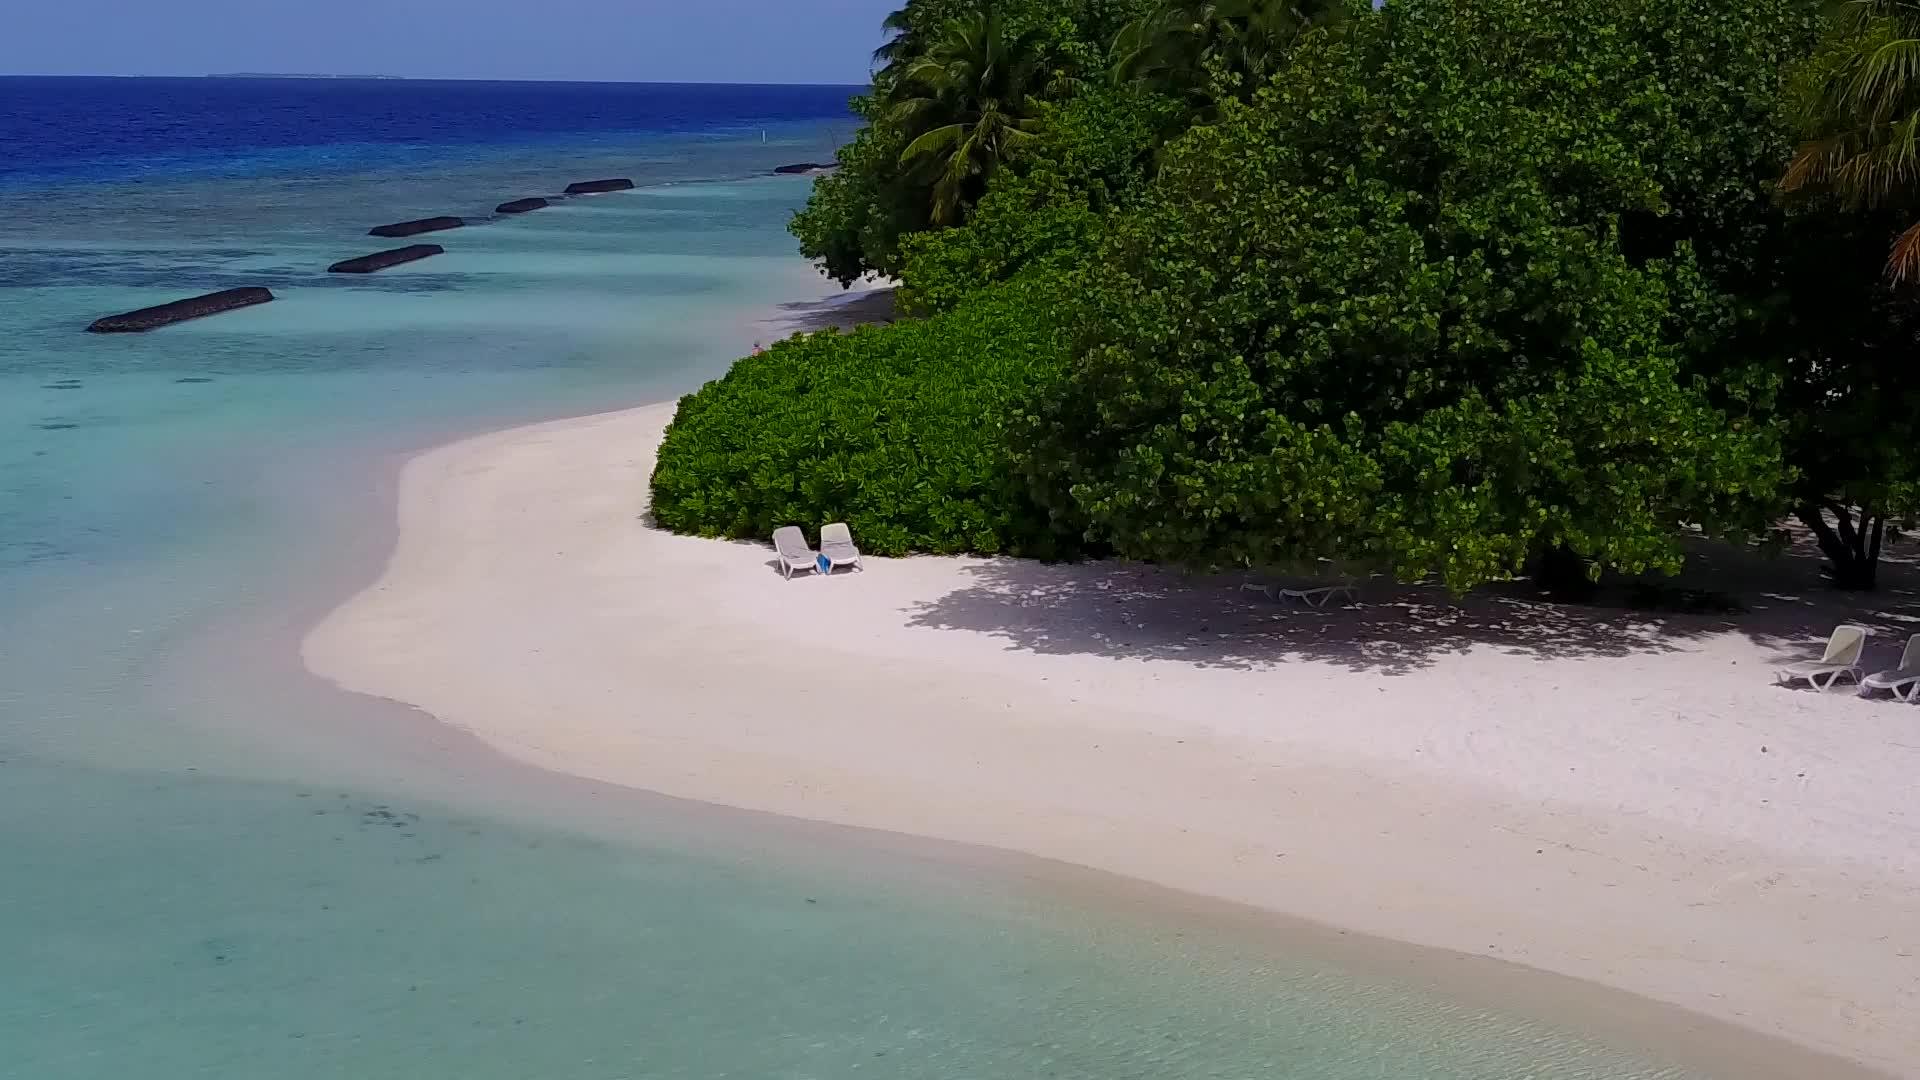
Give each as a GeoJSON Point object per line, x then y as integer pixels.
{"type": "Point", "coordinates": [1903, 681]}
{"type": "Point", "coordinates": [836, 543]}
{"type": "Point", "coordinates": [795, 555]}
{"type": "Point", "coordinates": [1318, 595]}
{"type": "Point", "coordinates": [1841, 658]}
{"type": "Point", "coordinates": [1310, 586]}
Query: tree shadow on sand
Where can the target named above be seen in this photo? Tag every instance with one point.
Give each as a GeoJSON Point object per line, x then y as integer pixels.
{"type": "Point", "coordinates": [1143, 612]}
{"type": "Point", "coordinates": [841, 312]}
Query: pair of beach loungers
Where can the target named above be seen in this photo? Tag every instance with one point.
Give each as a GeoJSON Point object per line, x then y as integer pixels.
{"type": "Point", "coordinates": [1842, 658]}
{"type": "Point", "coordinates": [1318, 596]}
{"type": "Point", "coordinates": [836, 550]}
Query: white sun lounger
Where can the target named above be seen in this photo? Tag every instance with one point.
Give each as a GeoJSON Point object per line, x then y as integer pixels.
{"type": "Point", "coordinates": [1318, 597]}
{"type": "Point", "coordinates": [795, 555]}
{"type": "Point", "coordinates": [1841, 658]}
{"type": "Point", "coordinates": [1321, 596]}
{"type": "Point", "coordinates": [1903, 681]}
{"type": "Point", "coordinates": [836, 543]}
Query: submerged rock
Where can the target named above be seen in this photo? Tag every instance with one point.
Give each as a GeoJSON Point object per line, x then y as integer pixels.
{"type": "Point", "coordinates": [380, 260]}
{"type": "Point", "coordinates": [181, 310]}
{"type": "Point", "coordinates": [419, 225]}
{"type": "Point", "coordinates": [594, 187]}
{"type": "Point", "coordinates": [520, 206]}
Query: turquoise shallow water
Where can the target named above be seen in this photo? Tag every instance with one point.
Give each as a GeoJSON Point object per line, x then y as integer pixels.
{"type": "Point", "coordinates": [211, 866]}
{"type": "Point", "coordinates": [188, 927]}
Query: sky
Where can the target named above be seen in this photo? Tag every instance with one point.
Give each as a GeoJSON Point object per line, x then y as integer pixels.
{"type": "Point", "coordinates": [768, 41]}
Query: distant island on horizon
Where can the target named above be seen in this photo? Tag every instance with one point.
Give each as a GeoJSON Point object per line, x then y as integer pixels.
{"type": "Point", "coordinates": [293, 75]}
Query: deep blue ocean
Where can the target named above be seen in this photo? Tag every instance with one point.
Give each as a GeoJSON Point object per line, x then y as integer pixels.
{"type": "Point", "coordinates": [212, 865]}
{"type": "Point", "coordinates": [93, 129]}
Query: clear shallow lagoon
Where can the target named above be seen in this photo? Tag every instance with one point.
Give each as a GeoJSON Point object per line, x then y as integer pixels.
{"type": "Point", "coordinates": [212, 866]}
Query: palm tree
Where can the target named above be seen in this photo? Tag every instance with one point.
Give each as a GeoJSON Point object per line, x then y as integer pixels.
{"type": "Point", "coordinates": [911, 30]}
{"type": "Point", "coordinates": [967, 105]}
{"type": "Point", "coordinates": [901, 48]}
{"type": "Point", "coordinates": [1860, 99]}
{"type": "Point", "coordinates": [1178, 45]}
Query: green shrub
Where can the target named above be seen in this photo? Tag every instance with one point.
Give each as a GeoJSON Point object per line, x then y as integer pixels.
{"type": "Point", "coordinates": [896, 430]}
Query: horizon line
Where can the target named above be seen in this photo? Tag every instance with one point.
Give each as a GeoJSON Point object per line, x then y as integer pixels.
{"type": "Point", "coordinates": [264, 76]}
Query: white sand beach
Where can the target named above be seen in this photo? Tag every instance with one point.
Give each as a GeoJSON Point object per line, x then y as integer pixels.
{"type": "Point", "coordinates": [1608, 794]}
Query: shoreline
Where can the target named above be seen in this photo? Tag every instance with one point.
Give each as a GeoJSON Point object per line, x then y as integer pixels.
{"type": "Point", "coordinates": [623, 664]}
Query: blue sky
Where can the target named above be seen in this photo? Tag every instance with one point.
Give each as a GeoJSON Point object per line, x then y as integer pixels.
{"type": "Point", "coordinates": [817, 41]}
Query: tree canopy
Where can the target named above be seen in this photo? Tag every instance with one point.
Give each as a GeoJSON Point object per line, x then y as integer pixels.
{"type": "Point", "coordinates": [1387, 310]}
{"type": "Point", "coordinates": [1043, 215]}
{"type": "Point", "coordinates": [965, 107]}
{"type": "Point", "coordinates": [1441, 287]}
{"type": "Point", "coordinates": [860, 214]}
{"type": "Point", "coordinates": [1195, 50]}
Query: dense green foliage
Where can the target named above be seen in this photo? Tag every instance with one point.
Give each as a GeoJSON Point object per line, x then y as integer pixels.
{"type": "Point", "coordinates": [854, 220]}
{"type": "Point", "coordinates": [1385, 312]}
{"type": "Point", "coordinates": [1043, 215]}
{"type": "Point", "coordinates": [901, 430]}
{"type": "Point", "coordinates": [966, 107]}
{"type": "Point", "coordinates": [858, 216]}
{"type": "Point", "coordinates": [1440, 287]}
{"type": "Point", "coordinates": [896, 430]}
{"type": "Point", "coordinates": [1200, 50]}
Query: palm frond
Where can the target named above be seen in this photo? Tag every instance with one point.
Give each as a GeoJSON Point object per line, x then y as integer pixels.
{"type": "Point", "coordinates": [901, 44]}
{"type": "Point", "coordinates": [933, 141]}
{"type": "Point", "coordinates": [1175, 45]}
{"type": "Point", "coordinates": [966, 103]}
{"type": "Point", "coordinates": [1815, 161]}
{"type": "Point", "coordinates": [1859, 102]}
{"type": "Point", "coordinates": [909, 114]}
{"type": "Point", "coordinates": [1903, 261]}
{"type": "Point", "coordinates": [936, 74]}
{"type": "Point", "coordinates": [1885, 76]}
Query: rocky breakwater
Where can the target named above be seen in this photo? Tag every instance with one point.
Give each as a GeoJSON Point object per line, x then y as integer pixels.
{"type": "Point", "coordinates": [520, 206]}
{"type": "Point", "coordinates": [380, 260]}
{"type": "Point", "coordinates": [803, 168]}
{"type": "Point", "coordinates": [415, 227]}
{"type": "Point", "coordinates": [595, 187]}
{"type": "Point", "coordinates": [180, 310]}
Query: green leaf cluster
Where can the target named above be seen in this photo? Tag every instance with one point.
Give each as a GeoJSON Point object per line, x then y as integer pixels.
{"type": "Point", "coordinates": [897, 430]}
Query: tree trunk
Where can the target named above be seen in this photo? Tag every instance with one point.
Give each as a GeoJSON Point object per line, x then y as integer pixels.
{"type": "Point", "coordinates": [1561, 573]}
{"type": "Point", "coordinates": [1852, 551]}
